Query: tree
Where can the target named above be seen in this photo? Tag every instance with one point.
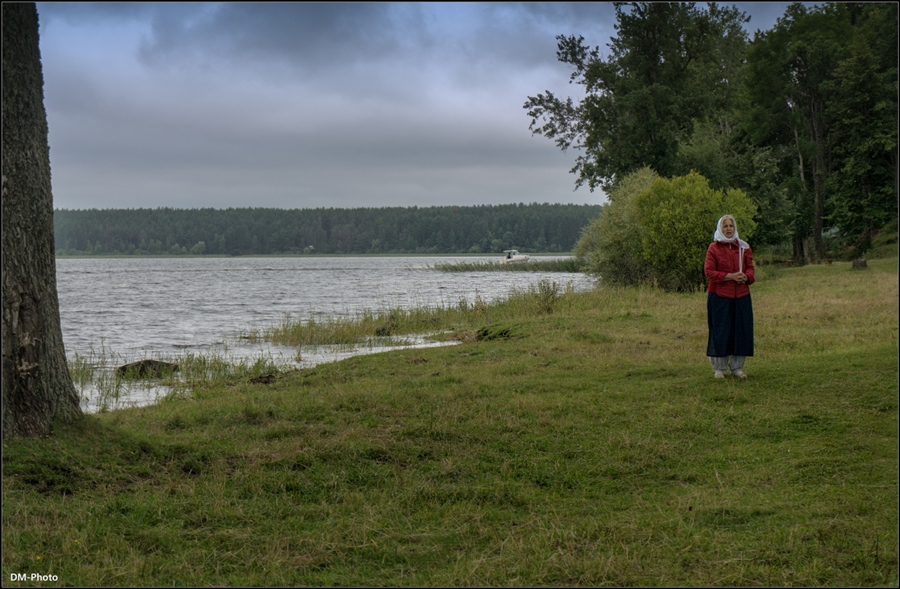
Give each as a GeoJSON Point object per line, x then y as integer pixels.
{"type": "Point", "coordinates": [824, 82]}
{"type": "Point", "coordinates": [823, 88]}
{"type": "Point", "coordinates": [818, 36]}
{"type": "Point", "coordinates": [863, 114]}
{"type": "Point", "coordinates": [37, 388]}
{"type": "Point", "coordinates": [863, 197]}
{"type": "Point", "coordinates": [670, 65]}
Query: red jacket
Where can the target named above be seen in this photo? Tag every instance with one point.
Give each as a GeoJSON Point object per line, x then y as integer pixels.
{"type": "Point", "coordinates": [722, 259]}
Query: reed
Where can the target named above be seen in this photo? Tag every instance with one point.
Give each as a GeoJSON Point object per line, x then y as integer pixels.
{"type": "Point", "coordinates": [96, 381]}
{"type": "Point", "coordinates": [532, 265]}
{"type": "Point", "coordinates": [439, 322]}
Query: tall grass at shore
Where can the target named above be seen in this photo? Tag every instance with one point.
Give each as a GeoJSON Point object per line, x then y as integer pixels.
{"type": "Point", "coordinates": [442, 322]}
{"type": "Point", "coordinates": [533, 265]}
{"type": "Point", "coordinates": [585, 446]}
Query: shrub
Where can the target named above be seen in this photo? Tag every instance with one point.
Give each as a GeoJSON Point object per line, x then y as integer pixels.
{"type": "Point", "coordinates": [677, 219]}
{"type": "Point", "coordinates": [611, 245]}
{"type": "Point", "coordinates": [656, 230]}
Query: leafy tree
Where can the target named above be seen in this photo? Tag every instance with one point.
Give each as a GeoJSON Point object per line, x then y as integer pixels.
{"type": "Point", "coordinates": [677, 219]}
{"type": "Point", "coordinates": [803, 90]}
{"type": "Point", "coordinates": [823, 82]}
{"type": "Point", "coordinates": [863, 111]}
{"type": "Point", "coordinates": [770, 121]}
{"type": "Point", "coordinates": [36, 386]}
{"type": "Point", "coordinates": [759, 173]}
{"type": "Point", "coordinates": [708, 152]}
{"type": "Point", "coordinates": [755, 171]}
{"type": "Point", "coordinates": [816, 49]}
{"type": "Point", "coordinates": [670, 65]}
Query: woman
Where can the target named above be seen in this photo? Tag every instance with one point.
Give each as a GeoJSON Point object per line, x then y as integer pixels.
{"type": "Point", "coordinates": [729, 311]}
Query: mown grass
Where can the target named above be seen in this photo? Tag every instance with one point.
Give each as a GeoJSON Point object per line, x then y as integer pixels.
{"type": "Point", "coordinates": [585, 446]}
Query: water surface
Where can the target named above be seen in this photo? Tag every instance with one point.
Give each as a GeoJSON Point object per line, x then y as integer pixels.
{"type": "Point", "coordinates": [135, 308]}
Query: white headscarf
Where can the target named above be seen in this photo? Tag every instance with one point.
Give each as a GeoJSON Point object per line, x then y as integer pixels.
{"type": "Point", "coordinates": [742, 245]}
{"type": "Point", "coordinates": [719, 236]}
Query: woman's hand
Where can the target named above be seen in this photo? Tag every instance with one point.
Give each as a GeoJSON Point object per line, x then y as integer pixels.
{"type": "Point", "coordinates": [738, 277]}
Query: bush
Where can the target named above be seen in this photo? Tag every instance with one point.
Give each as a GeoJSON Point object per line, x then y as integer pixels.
{"type": "Point", "coordinates": [678, 218]}
{"type": "Point", "coordinates": [611, 245]}
{"type": "Point", "coordinates": [656, 230]}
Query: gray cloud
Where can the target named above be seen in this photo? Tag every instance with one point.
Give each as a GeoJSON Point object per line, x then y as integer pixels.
{"type": "Point", "coordinates": [316, 35]}
{"type": "Point", "coordinates": [307, 104]}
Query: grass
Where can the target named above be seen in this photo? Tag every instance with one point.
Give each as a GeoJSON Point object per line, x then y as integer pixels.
{"type": "Point", "coordinates": [585, 444]}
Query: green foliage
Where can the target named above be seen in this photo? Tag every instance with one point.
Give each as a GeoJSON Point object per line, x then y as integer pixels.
{"type": "Point", "coordinates": [822, 89]}
{"type": "Point", "coordinates": [611, 246]}
{"type": "Point", "coordinates": [670, 65]}
{"type": "Point", "coordinates": [757, 172]}
{"type": "Point", "coordinates": [864, 111]}
{"type": "Point", "coordinates": [545, 296]}
{"type": "Point", "coordinates": [427, 230]}
{"type": "Point", "coordinates": [707, 152]}
{"type": "Point", "coordinates": [655, 230]}
{"type": "Point", "coordinates": [803, 119]}
{"type": "Point", "coordinates": [677, 219]}
{"type": "Point", "coordinates": [719, 151]}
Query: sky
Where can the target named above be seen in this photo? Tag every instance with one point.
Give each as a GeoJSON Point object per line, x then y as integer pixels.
{"type": "Point", "coordinates": [308, 105]}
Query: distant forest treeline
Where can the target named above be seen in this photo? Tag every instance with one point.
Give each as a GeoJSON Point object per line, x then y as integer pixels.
{"type": "Point", "coordinates": [258, 231]}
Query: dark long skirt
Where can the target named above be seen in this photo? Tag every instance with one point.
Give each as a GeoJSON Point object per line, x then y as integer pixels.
{"type": "Point", "coordinates": [730, 326]}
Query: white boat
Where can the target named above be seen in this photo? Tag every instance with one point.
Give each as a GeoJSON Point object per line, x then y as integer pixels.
{"type": "Point", "coordinates": [513, 256]}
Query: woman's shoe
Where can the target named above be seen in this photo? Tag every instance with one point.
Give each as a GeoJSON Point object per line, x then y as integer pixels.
{"type": "Point", "coordinates": [719, 374]}
{"type": "Point", "coordinates": [738, 374]}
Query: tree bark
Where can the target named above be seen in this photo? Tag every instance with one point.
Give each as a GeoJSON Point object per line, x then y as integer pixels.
{"type": "Point", "coordinates": [801, 251]}
{"type": "Point", "coordinates": [36, 386]}
{"type": "Point", "coordinates": [820, 175]}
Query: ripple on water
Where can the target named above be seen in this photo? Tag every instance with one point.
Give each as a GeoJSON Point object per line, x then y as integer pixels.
{"type": "Point", "coordinates": [135, 308]}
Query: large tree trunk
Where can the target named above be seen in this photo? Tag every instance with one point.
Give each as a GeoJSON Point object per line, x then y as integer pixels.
{"type": "Point", "coordinates": [37, 388]}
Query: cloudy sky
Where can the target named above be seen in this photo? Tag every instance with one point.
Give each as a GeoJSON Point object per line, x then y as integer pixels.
{"type": "Point", "coordinates": [305, 105]}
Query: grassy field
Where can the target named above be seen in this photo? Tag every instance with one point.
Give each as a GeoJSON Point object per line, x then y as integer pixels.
{"type": "Point", "coordinates": [570, 439]}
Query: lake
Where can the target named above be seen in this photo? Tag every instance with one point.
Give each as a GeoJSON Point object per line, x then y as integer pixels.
{"type": "Point", "coordinates": [128, 309]}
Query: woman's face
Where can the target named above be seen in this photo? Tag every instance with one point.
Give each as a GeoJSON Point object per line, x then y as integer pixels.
{"type": "Point", "coordinates": [728, 227]}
